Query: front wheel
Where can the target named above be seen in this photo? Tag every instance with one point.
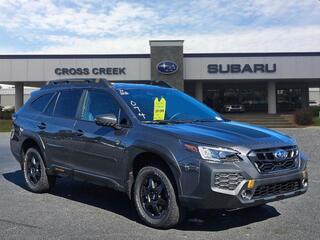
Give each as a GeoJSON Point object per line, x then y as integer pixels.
{"type": "Point", "coordinates": [35, 172]}
{"type": "Point", "coordinates": [155, 198]}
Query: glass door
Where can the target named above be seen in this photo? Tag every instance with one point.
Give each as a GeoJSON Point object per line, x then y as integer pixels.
{"type": "Point", "coordinates": [289, 99]}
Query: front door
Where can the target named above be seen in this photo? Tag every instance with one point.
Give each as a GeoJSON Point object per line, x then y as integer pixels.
{"type": "Point", "coordinates": [100, 149]}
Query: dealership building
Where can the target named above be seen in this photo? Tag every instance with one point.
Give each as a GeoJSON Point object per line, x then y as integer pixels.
{"type": "Point", "coordinates": [261, 82]}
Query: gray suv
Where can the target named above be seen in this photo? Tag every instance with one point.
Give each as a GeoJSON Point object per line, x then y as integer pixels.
{"type": "Point", "coordinates": [163, 148]}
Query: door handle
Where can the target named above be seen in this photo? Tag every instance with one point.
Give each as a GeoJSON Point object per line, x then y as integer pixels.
{"type": "Point", "coordinates": [42, 125]}
{"type": "Point", "coordinates": [79, 133]}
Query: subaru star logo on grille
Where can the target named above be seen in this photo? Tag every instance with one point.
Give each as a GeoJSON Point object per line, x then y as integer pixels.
{"type": "Point", "coordinates": [167, 67]}
{"type": "Point", "coordinates": [280, 154]}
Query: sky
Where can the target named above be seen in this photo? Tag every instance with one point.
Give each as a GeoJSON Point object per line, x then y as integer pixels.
{"type": "Point", "coordinates": [109, 26]}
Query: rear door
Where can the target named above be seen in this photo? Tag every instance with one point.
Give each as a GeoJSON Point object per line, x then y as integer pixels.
{"type": "Point", "coordinates": [57, 122]}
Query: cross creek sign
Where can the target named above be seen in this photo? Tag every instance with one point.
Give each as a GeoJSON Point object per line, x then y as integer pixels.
{"type": "Point", "coordinates": [88, 71]}
{"type": "Point", "coordinates": [242, 68]}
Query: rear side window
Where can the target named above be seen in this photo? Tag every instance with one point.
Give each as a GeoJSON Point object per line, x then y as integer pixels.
{"type": "Point", "coordinates": [67, 104]}
{"type": "Point", "coordinates": [40, 103]}
{"type": "Point", "coordinates": [52, 104]}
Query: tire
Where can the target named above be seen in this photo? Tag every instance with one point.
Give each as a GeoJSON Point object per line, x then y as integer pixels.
{"type": "Point", "coordinates": [34, 172]}
{"type": "Point", "coordinates": [155, 202]}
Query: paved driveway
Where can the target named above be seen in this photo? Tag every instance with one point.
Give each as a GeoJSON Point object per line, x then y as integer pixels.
{"type": "Point", "coordinates": [77, 210]}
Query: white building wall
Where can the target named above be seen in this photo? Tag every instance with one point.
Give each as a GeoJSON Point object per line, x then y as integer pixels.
{"type": "Point", "coordinates": [9, 100]}
{"type": "Point", "coordinates": [40, 70]}
{"type": "Point", "coordinates": [293, 67]}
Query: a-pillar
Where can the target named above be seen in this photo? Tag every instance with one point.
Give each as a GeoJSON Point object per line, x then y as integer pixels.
{"type": "Point", "coordinates": [19, 95]}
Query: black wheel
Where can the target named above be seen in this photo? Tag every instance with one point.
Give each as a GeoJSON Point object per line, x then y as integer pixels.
{"type": "Point", "coordinates": [35, 172]}
{"type": "Point", "coordinates": [155, 198]}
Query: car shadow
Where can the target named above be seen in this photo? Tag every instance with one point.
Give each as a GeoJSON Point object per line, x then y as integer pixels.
{"type": "Point", "coordinates": [117, 202]}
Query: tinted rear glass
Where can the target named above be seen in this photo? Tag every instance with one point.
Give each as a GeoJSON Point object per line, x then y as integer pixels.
{"type": "Point", "coordinates": [40, 103]}
{"type": "Point", "coordinates": [67, 104]}
{"type": "Point", "coordinates": [50, 107]}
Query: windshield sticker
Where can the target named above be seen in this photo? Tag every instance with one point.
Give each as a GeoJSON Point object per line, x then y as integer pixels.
{"type": "Point", "coordinates": [159, 107]}
{"type": "Point", "coordinates": [136, 108]}
{"type": "Point", "coordinates": [123, 92]}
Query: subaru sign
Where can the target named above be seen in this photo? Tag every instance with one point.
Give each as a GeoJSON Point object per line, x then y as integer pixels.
{"type": "Point", "coordinates": [167, 67]}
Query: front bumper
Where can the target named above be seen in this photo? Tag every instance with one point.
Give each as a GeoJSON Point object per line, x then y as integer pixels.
{"type": "Point", "coordinates": [266, 189]}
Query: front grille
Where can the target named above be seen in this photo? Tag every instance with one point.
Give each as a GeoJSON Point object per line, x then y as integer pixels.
{"type": "Point", "coordinates": [227, 181]}
{"type": "Point", "coordinates": [276, 188]}
{"type": "Point", "coordinates": [266, 162]}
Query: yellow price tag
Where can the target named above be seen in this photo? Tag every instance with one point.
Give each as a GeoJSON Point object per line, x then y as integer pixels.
{"type": "Point", "coordinates": [159, 111]}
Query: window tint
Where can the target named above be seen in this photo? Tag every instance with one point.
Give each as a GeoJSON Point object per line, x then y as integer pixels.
{"type": "Point", "coordinates": [50, 107]}
{"type": "Point", "coordinates": [40, 103]}
{"type": "Point", "coordinates": [67, 104]}
{"type": "Point", "coordinates": [98, 103]}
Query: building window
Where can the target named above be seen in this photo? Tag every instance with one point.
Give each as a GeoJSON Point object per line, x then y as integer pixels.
{"type": "Point", "coordinates": [235, 97]}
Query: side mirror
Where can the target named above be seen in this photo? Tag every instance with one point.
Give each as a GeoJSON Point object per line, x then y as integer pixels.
{"type": "Point", "coordinates": [109, 120]}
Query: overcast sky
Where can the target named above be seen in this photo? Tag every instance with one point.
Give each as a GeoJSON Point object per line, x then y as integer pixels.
{"type": "Point", "coordinates": [109, 26]}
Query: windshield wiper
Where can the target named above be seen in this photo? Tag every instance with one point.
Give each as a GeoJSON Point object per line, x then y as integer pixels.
{"type": "Point", "coordinates": [178, 121]}
{"type": "Point", "coordinates": [167, 121]}
{"type": "Point", "coordinates": [203, 120]}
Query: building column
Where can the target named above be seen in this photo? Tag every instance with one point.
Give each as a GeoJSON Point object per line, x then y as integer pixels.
{"type": "Point", "coordinates": [19, 95]}
{"type": "Point", "coordinates": [272, 98]}
{"type": "Point", "coordinates": [199, 91]}
{"type": "Point", "coordinates": [167, 50]}
{"type": "Point", "coordinates": [305, 96]}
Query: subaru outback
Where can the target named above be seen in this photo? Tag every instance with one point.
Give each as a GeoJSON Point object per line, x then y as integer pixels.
{"type": "Point", "coordinates": [167, 151]}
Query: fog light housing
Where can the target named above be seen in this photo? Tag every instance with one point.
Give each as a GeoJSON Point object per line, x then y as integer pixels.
{"type": "Point", "coordinates": [304, 182]}
{"type": "Point", "coordinates": [246, 194]}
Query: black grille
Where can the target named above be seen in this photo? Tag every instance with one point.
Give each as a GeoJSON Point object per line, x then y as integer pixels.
{"type": "Point", "coordinates": [265, 160]}
{"type": "Point", "coordinates": [227, 181]}
{"type": "Point", "coordinates": [276, 188]}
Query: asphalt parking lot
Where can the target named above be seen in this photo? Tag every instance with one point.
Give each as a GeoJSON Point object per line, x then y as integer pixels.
{"type": "Point", "coordinates": [75, 210]}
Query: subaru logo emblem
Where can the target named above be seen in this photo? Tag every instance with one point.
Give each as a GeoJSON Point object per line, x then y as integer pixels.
{"type": "Point", "coordinates": [280, 154]}
{"type": "Point", "coordinates": [167, 67]}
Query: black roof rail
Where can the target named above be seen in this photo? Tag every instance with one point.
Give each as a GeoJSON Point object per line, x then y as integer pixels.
{"type": "Point", "coordinates": [100, 81]}
{"type": "Point", "coordinates": [160, 83]}
{"type": "Point", "coordinates": [57, 83]}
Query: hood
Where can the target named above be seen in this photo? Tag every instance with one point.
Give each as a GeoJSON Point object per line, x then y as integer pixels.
{"type": "Point", "coordinates": [228, 134]}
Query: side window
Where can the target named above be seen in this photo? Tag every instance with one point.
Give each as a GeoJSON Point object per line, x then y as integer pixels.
{"type": "Point", "coordinates": [98, 103]}
{"type": "Point", "coordinates": [40, 103]}
{"type": "Point", "coordinates": [52, 104]}
{"type": "Point", "coordinates": [67, 104]}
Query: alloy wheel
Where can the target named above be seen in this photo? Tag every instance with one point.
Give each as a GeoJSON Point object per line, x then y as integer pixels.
{"type": "Point", "coordinates": [154, 196]}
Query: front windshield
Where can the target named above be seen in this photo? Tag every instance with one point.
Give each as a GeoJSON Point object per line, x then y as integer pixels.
{"type": "Point", "coordinates": [166, 104]}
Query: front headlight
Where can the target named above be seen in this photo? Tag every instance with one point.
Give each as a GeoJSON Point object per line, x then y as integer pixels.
{"type": "Point", "coordinates": [218, 154]}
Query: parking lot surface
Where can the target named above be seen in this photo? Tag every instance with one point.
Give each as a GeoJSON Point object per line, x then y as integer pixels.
{"type": "Point", "coordinates": [76, 210]}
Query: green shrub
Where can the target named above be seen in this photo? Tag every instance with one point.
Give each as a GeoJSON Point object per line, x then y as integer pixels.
{"type": "Point", "coordinates": [315, 111]}
{"type": "Point", "coordinates": [303, 116]}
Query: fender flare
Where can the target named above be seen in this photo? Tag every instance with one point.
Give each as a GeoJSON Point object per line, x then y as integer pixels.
{"type": "Point", "coordinates": [30, 135]}
{"type": "Point", "coordinates": [139, 147]}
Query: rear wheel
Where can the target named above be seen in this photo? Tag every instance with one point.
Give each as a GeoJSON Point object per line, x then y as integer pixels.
{"type": "Point", "coordinates": [35, 172]}
{"type": "Point", "coordinates": [155, 198]}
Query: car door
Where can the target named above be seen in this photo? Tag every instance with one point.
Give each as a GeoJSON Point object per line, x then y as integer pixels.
{"type": "Point", "coordinates": [57, 123]}
{"type": "Point", "coordinates": [99, 149]}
